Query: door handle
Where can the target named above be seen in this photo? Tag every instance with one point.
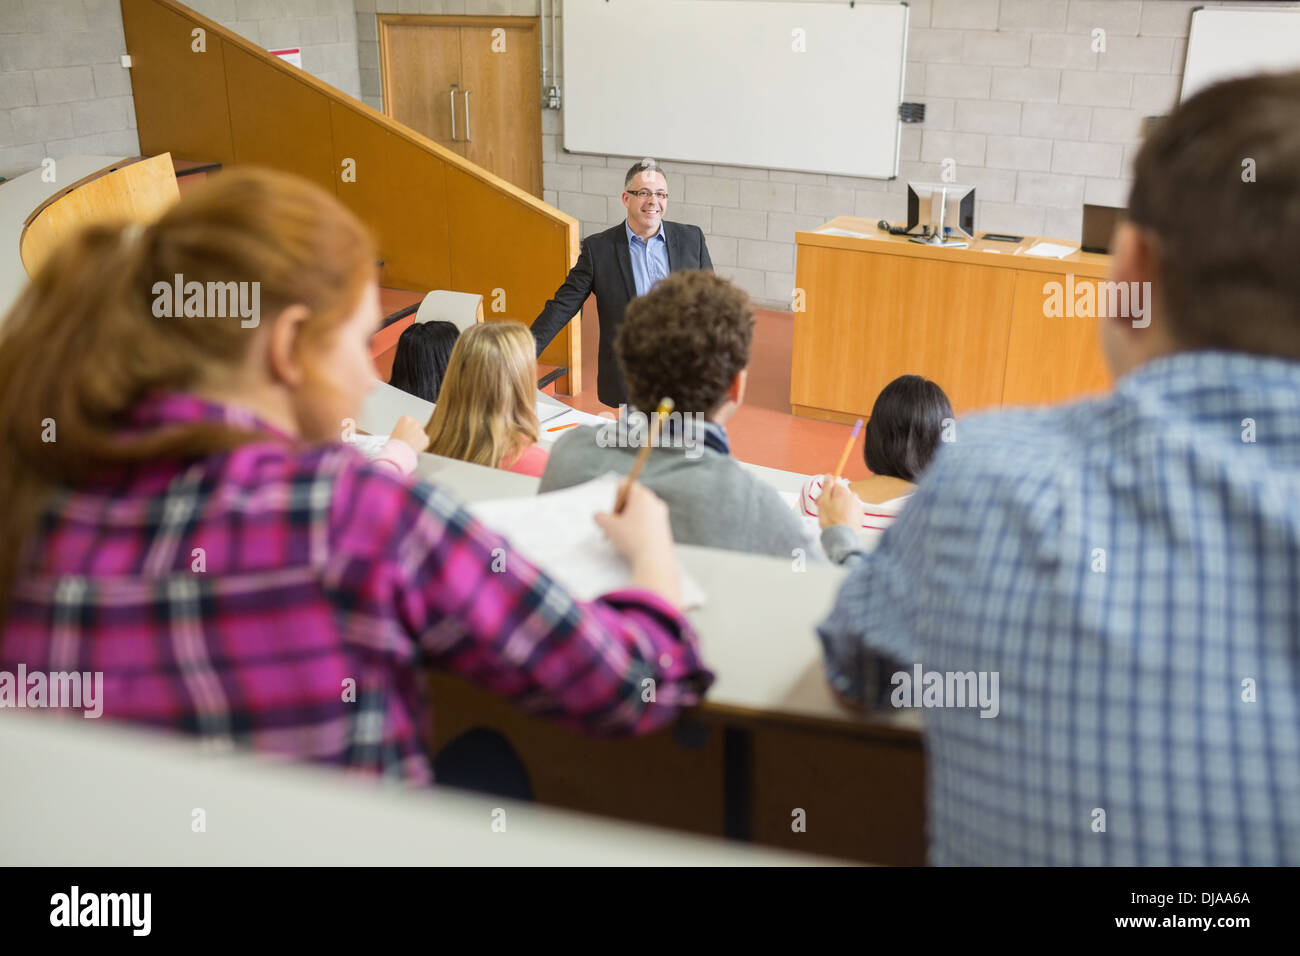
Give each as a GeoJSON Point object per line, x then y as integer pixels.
{"type": "Point", "coordinates": [467, 139]}
{"type": "Point", "coordinates": [453, 115]}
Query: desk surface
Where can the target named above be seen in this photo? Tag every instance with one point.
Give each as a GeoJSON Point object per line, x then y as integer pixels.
{"type": "Point", "coordinates": [1004, 255]}
{"type": "Point", "coordinates": [259, 812]}
{"type": "Point", "coordinates": [758, 624]}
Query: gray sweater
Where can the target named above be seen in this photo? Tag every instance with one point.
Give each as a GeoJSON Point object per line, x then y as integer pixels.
{"type": "Point", "coordinates": [711, 499]}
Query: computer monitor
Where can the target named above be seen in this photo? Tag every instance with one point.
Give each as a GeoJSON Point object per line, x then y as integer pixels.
{"type": "Point", "coordinates": [1099, 226]}
{"type": "Point", "coordinates": [941, 211]}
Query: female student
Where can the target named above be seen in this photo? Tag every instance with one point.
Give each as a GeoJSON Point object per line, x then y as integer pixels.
{"type": "Point", "coordinates": [899, 441]}
{"type": "Point", "coordinates": [423, 351]}
{"type": "Point", "coordinates": [180, 515]}
{"type": "Point", "coordinates": [487, 413]}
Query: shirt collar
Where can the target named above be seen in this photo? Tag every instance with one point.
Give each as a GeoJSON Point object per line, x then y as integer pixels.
{"type": "Point", "coordinates": [633, 237]}
{"type": "Point", "coordinates": [710, 434]}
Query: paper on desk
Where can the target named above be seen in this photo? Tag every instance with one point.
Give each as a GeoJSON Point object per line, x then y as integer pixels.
{"type": "Point", "coordinates": [557, 531]}
{"type": "Point", "coordinates": [549, 408]}
{"type": "Point", "coordinates": [832, 231]}
{"type": "Point", "coordinates": [570, 417]}
{"type": "Point", "coordinates": [1049, 250]}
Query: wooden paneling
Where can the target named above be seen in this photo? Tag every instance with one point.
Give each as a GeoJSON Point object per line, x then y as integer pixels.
{"type": "Point", "coordinates": [655, 779]}
{"type": "Point", "coordinates": [501, 77]}
{"type": "Point", "coordinates": [861, 800]}
{"type": "Point", "coordinates": [499, 244]}
{"type": "Point", "coordinates": [180, 95]}
{"type": "Point", "coordinates": [138, 191]}
{"type": "Point", "coordinates": [1051, 359]}
{"type": "Point", "coordinates": [401, 192]}
{"type": "Point", "coordinates": [238, 104]}
{"type": "Point", "coordinates": [970, 319]}
{"type": "Point", "coordinates": [277, 121]}
{"type": "Point", "coordinates": [872, 318]}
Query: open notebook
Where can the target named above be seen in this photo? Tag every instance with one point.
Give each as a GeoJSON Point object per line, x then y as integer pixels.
{"type": "Point", "coordinates": [557, 531]}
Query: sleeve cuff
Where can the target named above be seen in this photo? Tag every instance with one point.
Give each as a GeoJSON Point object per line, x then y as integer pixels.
{"type": "Point", "coordinates": [839, 541]}
{"type": "Point", "coordinates": [398, 454]}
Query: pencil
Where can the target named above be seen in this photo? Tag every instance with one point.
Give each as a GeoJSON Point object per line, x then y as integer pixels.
{"type": "Point", "coordinates": [848, 447]}
{"type": "Point", "coordinates": [560, 428]}
{"type": "Point", "coordinates": [665, 407]}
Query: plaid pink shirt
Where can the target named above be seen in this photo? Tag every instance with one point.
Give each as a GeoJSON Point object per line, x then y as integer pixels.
{"type": "Point", "coordinates": [316, 568]}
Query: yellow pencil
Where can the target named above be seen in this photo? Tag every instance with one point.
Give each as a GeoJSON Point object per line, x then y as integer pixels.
{"type": "Point", "coordinates": [665, 407]}
{"type": "Point", "coordinates": [844, 458]}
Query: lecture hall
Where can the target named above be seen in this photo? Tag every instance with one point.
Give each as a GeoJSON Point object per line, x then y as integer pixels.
{"type": "Point", "coordinates": [650, 433]}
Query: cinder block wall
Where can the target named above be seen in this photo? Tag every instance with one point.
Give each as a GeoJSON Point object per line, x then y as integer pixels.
{"type": "Point", "coordinates": [63, 90]}
{"type": "Point", "coordinates": [1014, 93]}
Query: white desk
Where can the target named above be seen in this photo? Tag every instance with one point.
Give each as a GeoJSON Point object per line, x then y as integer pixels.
{"type": "Point", "coordinates": [19, 198]}
{"type": "Point", "coordinates": [90, 793]}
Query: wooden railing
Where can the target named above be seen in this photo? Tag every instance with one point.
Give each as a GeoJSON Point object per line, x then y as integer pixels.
{"type": "Point", "coordinates": [134, 189]}
{"type": "Point", "coordinates": [203, 92]}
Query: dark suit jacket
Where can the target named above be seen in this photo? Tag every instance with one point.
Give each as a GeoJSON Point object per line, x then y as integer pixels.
{"type": "Point", "coordinates": [605, 267]}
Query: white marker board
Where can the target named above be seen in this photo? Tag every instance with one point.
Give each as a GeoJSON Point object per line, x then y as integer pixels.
{"type": "Point", "coordinates": [808, 86]}
{"type": "Point", "coordinates": [1227, 43]}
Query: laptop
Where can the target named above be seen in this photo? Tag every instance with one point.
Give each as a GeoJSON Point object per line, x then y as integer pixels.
{"type": "Point", "coordinates": [1099, 226]}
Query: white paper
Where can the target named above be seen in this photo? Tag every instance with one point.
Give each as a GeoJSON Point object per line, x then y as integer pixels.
{"type": "Point", "coordinates": [1050, 250]}
{"type": "Point", "coordinates": [369, 445]}
{"type": "Point", "coordinates": [570, 417]}
{"type": "Point", "coordinates": [557, 531]}
{"type": "Point", "coordinates": [832, 231]}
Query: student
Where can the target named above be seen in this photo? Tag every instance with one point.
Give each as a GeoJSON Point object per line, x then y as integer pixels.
{"type": "Point", "coordinates": [687, 339]}
{"type": "Point", "coordinates": [1120, 576]}
{"type": "Point", "coordinates": [901, 436]}
{"type": "Point", "coordinates": [423, 351]}
{"type": "Point", "coordinates": [180, 516]}
{"type": "Point", "coordinates": [488, 411]}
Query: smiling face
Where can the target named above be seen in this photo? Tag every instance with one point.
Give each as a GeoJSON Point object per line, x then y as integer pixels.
{"type": "Point", "coordinates": [646, 214]}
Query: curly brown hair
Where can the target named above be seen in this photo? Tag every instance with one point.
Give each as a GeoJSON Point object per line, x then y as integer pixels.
{"type": "Point", "coordinates": [686, 339]}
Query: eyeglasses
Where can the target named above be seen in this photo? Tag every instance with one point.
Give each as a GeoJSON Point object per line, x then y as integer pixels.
{"type": "Point", "coordinates": [644, 194]}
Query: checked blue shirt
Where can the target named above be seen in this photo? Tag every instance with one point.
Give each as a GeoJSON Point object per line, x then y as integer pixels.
{"type": "Point", "coordinates": [1130, 567]}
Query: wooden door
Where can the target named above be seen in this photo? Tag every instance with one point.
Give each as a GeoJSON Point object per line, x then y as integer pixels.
{"type": "Point", "coordinates": [422, 78]}
{"type": "Point", "coordinates": [501, 76]}
{"type": "Point", "coordinates": [496, 81]}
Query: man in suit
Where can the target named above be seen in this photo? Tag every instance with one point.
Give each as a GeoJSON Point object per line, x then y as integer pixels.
{"type": "Point", "coordinates": [620, 264]}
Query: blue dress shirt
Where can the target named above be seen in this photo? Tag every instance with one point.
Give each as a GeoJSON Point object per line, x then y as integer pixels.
{"type": "Point", "coordinates": [649, 259]}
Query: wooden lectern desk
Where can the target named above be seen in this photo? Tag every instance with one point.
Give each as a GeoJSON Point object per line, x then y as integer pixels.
{"type": "Point", "coordinates": [973, 320]}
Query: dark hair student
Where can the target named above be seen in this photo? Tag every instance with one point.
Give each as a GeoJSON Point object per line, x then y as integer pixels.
{"type": "Point", "coordinates": [421, 360]}
{"type": "Point", "coordinates": [905, 427]}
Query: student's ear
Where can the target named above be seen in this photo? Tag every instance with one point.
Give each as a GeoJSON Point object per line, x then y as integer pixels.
{"type": "Point", "coordinates": [736, 392]}
{"type": "Point", "coordinates": [1128, 341]}
{"type": "Point", "coordinates": [282, 359]}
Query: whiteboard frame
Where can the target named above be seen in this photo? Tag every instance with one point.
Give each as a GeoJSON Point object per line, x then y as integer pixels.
{"type": "Point", "coordinates": [1197, 77]}
{"type": "Point", "coordinates": [867, 153]}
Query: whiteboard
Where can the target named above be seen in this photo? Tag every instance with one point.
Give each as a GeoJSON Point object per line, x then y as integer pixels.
{"type": "Point", "coordinates": [1229, 43]}
{"type": "Point", "coordinates": [726, 81]}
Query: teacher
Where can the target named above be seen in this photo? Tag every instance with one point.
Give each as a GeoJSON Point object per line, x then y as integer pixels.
{"type": "Point", "coordinates": [621, 263]}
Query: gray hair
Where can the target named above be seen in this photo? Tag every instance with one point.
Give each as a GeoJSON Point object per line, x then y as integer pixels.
{"type": "Point", "coordinates": [646, 165]}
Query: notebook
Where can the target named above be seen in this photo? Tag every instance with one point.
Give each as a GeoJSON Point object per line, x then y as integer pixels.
{"type": "Point", "coordinates": [557, 532]}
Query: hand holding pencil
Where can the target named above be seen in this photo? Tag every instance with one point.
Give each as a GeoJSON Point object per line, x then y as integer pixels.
{"type": "Point", "coordinates": [663, 411]}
